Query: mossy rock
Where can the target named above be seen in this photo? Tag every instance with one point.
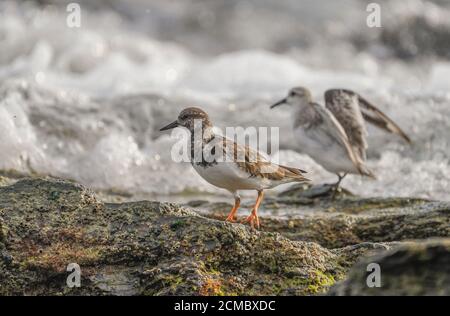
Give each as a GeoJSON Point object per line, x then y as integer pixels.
{"type": "Point", "coordinates": [156, 248]}
{"type": "Point", "coordinates": [348, 220]}
{"type": "Point", "coordinates": [144, 248]}
{"type": "Point", "coordinates": [420, 268]}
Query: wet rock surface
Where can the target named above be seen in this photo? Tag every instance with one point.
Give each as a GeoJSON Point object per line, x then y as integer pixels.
{"type": "Point", "coordinates": [308, 244]}
{"type": "Point", "coordinates": [412, 269]}
{"type": "Point", "coordinates": [309, 214]}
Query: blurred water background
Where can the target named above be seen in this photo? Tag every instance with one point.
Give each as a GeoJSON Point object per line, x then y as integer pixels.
{"type": "Point", "coordinates": [86, 103]}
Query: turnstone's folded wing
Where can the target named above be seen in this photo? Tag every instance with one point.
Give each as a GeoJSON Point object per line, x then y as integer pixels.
{"type": "Point", "coordinates": [330, 126]}
{"type": "Point", "coordinates": [257, 165]}
{"type": "Point", "coordinates": [344, 106]}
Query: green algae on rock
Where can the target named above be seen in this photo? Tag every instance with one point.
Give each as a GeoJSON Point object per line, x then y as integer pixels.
{"type": "Point", "coordinates": [156, 248]}
{"type": "Point", "coordinates": [144, 247]}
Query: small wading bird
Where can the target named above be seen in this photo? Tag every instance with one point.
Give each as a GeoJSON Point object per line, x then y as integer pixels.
{"type": "Point", "coordinates": [334, 135]}
{"type": "Point", "coordinates": [239, 167]}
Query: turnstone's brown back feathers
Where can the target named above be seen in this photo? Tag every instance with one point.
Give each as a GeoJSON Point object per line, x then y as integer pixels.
{"type": "Point", "coordinates": [254, 163]}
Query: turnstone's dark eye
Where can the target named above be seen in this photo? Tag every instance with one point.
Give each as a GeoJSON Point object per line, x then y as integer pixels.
{"type": "Point", "coordinates": [292, 94]}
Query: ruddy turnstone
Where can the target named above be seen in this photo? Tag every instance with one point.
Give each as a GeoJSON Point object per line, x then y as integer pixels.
{"type": "Point", "coordinates": [334, 135]}
{"type": "Point", "coordinates": [237, 167]}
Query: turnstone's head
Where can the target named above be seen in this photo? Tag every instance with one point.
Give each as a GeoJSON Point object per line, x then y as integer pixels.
{"type": "Point", "coordinates": [188, 117]}
{"type": "Point", "coordinates": [297, 95]}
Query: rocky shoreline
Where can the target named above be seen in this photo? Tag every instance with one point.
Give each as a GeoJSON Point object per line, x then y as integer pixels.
{"type": "Point", "coordinates": [157, 248]}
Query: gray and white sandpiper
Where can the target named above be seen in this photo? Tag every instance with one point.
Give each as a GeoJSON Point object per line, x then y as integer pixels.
{"type": "Point", "coordinates": [239, 168]}
{"type": "Point", "coordinates": [334, 135]}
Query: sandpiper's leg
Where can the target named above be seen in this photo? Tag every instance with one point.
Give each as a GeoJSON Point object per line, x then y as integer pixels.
{"type": "Point", "coordinates": [337, 184]}
{"type": "Point", "coordinates": [253, 218]}
{"type": "Point", "coordinates": [237, 201]}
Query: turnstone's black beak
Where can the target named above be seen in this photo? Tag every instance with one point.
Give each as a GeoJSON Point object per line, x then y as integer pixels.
{"type": "Point", "coordinates": [278, 103]}
{"type": "Point", "coordinates": [170, 126]}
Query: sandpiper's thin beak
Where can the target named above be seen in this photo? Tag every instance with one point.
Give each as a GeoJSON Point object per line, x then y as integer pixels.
{"type": "Point", "coordinates": [170, 126]}
{"type": "Point", "coordinates": [278, 103]}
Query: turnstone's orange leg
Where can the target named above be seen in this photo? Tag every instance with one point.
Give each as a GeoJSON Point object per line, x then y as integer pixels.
{"type": "Point", "coordinates": [253, 218]}
{"type": "Point", "coordinates": [232, 216]}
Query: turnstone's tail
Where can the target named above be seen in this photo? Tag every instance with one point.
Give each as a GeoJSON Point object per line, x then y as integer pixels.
{"type": "Point", "coordinates": [294, 173]}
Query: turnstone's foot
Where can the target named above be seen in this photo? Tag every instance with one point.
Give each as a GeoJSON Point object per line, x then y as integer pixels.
{"type": "Point", "coordinates": [232, 216]}
{"type": "Point", "coordinates": [253, 219]}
